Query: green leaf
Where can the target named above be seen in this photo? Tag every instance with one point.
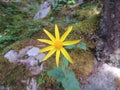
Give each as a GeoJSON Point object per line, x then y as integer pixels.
{"type": "Point", "coordinates": [64, 63]}
{"type": "Point", "coordinates": [70, 82]}
{"type": "Point", "coordinates": [82, 45]}
{"type": "Point", "coordinates": [67, 78]}
{"type": "Point", "coordinates": [70, 47]}
{"type": "Point", "coordinates": [56, 73]}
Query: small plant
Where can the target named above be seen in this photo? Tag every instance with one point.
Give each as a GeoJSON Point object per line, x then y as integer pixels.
{"type": "Point", "coordinates": [58, 44]}
{"type": "Point", "coordinates": [15, 24]}
{"type": "Point", "coordinates": [57, 5]}
{"type": "Point", "coordinates": [41, 79]}
{"type": "Point", "coordinates": [64, 76]}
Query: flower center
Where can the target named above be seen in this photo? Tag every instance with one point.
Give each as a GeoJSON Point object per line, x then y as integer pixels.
{"type": "Point", "coordinates": [58, 44]}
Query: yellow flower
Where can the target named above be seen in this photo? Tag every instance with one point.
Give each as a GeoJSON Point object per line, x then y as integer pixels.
{"type": "Point", "coordinates": [57, 44]}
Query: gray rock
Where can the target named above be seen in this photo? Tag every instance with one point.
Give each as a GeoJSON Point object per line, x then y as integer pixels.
{"type": "Point", "coordinates": [44, 10]}
{"type": "Point", "coordinates": [80, 2]}
{"type": "Point", "coordinates": [36, 70]}
{"type": "Point", "coordinates": [104, 79]}
{"type": "Point", "coordinates": [32, 84]}
{"type": "Point", "coordinates": [33, 51]}
{"type": "Point", "coordinates": [29, 62]}
{"type": "Point", "coordinates": [40, 57]}
{"type": "Point", "coordinates": [117, 54]}
{"type": "Point", "coordinates": [2, 87]}
{"type": "Point", "coordinates": [12, 56]}
{"type": "Point", "coordinates": [23, 51]}
{"type": "Point", "coordinates": [115, 58]}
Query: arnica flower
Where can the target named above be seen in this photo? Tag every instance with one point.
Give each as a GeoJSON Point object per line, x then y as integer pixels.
{"type": "Point", "coordinates": [56, 44]}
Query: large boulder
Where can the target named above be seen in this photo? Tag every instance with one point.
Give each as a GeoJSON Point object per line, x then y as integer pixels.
{"type": "Point", "coordinates": [104, 79]}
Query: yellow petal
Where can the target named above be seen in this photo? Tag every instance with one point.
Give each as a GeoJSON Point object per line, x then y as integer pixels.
{"type": "Point", "coordinates": [46, 41]}
{"type": "Point", "coordinates": [66, 55]}
{"type": "Point", "coordinates": [50, 53]}
{"type": "Point", "coordinates": [57, 35]}
{"type": "Point", "coordinates": [49, 35]}
{"type": "Point", "coordinates": [57, 57]}
{"type": "Point", "coordinates": [46, 49]}
{"type": "Point", "coordinates": [70, 42]}
{"type": "Point", "coordinates": [63, 37]}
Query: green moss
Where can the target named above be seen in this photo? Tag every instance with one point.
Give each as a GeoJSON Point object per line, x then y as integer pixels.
{"type": "Point", "coordinates": [89, 6]}
{"type": "Point", "coordinates": [11, 74]}
{"type": "Point", "coordinates": [88, 10]}
{"type": "Point", "coordinates": [16, 24]}
{"type": "Point", "coordinates": [15, 46]}
{"type": "Point", "coordinates": [87, 26]}
{"type": "Point", "coordinates": [83, 63]}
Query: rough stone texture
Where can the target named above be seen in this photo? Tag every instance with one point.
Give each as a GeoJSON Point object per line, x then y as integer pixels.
{"type": "Point", "coordinates": [44, 10]}
{"type": "Point", "coordinates": [36, 70]}
{"type": "Point", "coordinates": [79, 1]}
{"type": "Point", "coordinates": [110, 32]}
{"type": "Point", "coordinates": [32, 84]}
{"type": "Point", "coordinates": [2, 87]}
{"type": "Point", "coordinates": [30, 57]}
{"type": "Point", "coordinates": [103, 79]}
{"type": "Point", "coordinates": [23, 51]}
{"type": "Point", "coordinates": [115, 58]}
{"type": "Point", "coordinates": [33, 51]}
{"type": "Point", "coordinates": [12, 56]}
{"type": "Point", "coordinates": [107, 49]}
{"type": "Point", "coordinates": [40, 57]}
{"type": "Point", "coordinates": [31, 61]}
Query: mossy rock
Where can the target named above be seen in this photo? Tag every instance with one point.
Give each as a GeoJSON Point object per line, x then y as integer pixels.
{"type": "Point", "coordinates": [87, 26]}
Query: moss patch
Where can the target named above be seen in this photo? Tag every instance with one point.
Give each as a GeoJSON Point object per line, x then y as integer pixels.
{"type": "Point", "coordinates": [83, 63]}
{"type": "Point", "coordinates": [12, 75]}
{"type": "Point", "coordinates": [87, 26]}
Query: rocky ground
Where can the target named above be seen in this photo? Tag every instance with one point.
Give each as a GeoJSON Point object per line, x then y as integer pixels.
{"type": "Point", "coordinates": [104, 77]}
